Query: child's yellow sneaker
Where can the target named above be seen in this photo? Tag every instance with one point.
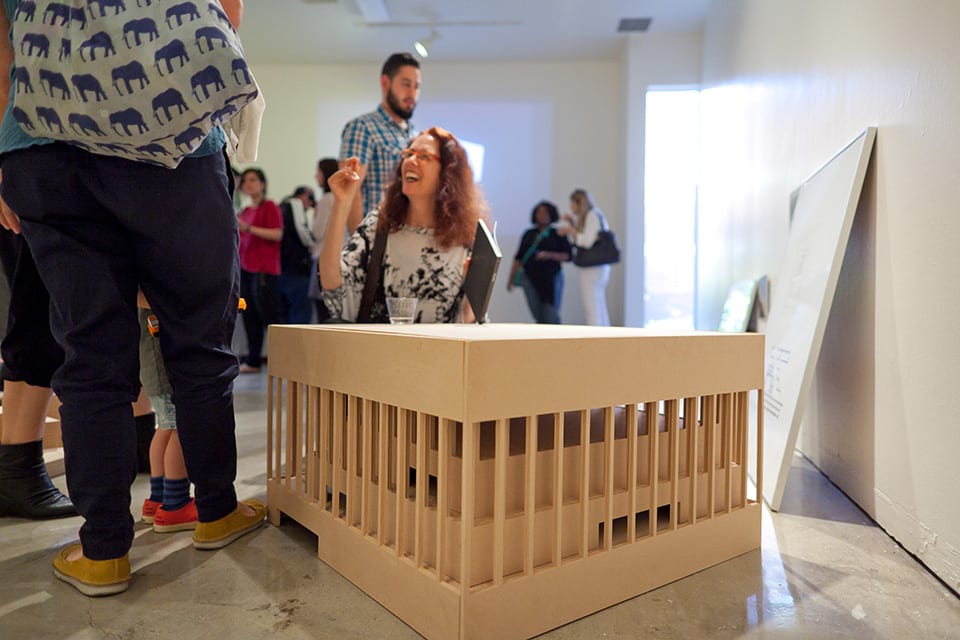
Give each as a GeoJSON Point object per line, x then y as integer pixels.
{"type": "Point", "coordinates": [93, 577]}
{"type": "Point", "coordinates": [220, 533]}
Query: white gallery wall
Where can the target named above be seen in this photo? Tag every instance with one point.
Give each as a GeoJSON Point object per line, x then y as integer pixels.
{"type": "Point", "coordinates": [547, 128]}
{"type": "Point", "coordinates": [787, 85]}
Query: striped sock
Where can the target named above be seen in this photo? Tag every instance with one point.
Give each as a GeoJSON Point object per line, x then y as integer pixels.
{"type": "Point", "coordinates": [156, 488]}
{"type": "Point", "coordinates": [176, 493]}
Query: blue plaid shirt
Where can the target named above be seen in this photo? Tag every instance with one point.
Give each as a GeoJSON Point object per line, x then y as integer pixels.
{"type": "Point", "coordinates": [377, 141]}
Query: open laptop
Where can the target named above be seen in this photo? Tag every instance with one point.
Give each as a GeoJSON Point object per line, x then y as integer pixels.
{"type": "Point", "coordinates": [482, 273]}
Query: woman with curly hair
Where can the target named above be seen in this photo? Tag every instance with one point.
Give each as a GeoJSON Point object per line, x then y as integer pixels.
{"type": "Point", "coordinates": [429, 217]}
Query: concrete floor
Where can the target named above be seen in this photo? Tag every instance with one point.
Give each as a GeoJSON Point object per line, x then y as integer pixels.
{"type": "Point", "coordinates": [824, 571]}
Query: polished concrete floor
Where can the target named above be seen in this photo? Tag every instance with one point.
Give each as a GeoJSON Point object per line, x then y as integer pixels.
{"type": "Point", "coordinates": [824, 571]}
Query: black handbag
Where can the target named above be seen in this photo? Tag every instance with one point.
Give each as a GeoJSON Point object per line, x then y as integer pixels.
{"type": "Point", "coordinates": [604, 250]}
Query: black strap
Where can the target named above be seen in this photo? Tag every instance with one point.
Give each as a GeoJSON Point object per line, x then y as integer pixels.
{"type": "Point", "coordinates": [374, 270]}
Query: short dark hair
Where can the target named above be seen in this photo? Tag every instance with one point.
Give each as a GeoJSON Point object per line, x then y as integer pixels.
{"type": "Point", "coordinates": [257, 171]}
{"type": "Point", "coordinates": [551, 209]}
{"type": "Point", "coordinates": [299, 191]}
{"type": "Point", "coordinates": [397, 60]}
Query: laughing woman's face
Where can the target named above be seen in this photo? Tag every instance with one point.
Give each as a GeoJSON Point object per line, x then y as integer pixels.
{"type": "Point", "coordinates": [420, 171]}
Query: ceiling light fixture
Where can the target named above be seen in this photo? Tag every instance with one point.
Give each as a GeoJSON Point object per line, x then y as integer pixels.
{"type": "Point", "coordinates": [422, 46]}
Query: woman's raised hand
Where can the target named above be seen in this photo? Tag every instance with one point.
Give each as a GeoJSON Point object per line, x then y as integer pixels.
{"type": "Point", "coordinates": [345, 183]}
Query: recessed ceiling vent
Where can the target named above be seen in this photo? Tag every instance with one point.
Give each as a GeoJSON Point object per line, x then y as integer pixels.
{"type": "Point", "coordinates": [634, 25]}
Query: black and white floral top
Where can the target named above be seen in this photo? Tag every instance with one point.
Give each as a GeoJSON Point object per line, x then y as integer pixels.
{"type": "Point", "coordinates": [413, 267]}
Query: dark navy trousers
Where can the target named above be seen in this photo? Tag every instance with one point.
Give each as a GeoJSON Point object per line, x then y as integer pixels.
{"type": "Point", "coordinates": [99, 227]}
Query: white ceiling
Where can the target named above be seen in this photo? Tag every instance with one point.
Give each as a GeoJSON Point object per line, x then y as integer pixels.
{"type": "Point", "coordinates": [336, 31]}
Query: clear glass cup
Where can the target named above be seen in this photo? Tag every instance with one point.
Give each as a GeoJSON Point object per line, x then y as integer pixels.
{"type": "Point", "coordinates": [402, 310]}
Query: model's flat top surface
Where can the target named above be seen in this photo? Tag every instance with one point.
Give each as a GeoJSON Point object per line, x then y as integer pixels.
{"type": "Point", "coordinates": [512, 331]}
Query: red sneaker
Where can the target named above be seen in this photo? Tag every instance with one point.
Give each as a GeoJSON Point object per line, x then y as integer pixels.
{"type": "Point", "coordinates": [149, 511]}
{"type": "Point", "coordinates": [182, 519]}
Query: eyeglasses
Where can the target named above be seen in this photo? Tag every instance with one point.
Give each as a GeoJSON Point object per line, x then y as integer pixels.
{"type": "Point", "coordinates": [421, 156]}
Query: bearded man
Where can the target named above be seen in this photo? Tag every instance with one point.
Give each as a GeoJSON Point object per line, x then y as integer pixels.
{"type": "Point", "coordinates": [378, 137]}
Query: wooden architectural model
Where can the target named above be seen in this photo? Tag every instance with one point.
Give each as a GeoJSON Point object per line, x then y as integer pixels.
{"type": "Point", "coordinates": [502, 480]}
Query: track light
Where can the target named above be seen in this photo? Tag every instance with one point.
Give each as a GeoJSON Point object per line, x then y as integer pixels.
{"type": "Point", "coordinates": [423, 45]}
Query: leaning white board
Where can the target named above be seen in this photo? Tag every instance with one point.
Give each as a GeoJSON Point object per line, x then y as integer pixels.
{"type": "Point", "coordinates": [824, 206]}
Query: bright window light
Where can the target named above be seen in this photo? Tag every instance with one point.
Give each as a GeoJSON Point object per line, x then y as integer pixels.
{"type": "Point", "coordinates": [670, 206]}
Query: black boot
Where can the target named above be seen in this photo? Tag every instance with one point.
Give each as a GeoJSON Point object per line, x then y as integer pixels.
{"type": "Point", "coordinates": [146, 425]}
{"type": "Point", "coordinates": [25, 487]}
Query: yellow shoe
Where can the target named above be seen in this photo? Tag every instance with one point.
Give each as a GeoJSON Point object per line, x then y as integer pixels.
{"type": "Point", "coordinates": [93, 577]}
{"type": "Point", "coordinates": [220, 533]}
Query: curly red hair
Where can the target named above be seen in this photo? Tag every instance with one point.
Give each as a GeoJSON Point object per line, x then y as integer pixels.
{"type": "Point", "coordinates": [459, 201]}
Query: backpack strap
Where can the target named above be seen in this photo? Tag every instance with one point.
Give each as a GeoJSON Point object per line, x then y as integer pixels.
{"type": "Point", "coordinates": [374, 271]}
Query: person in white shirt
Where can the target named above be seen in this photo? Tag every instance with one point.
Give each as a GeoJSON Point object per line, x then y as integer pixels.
{"type": "Point", "coordinates": [326, 167]}
{"type": "Point", "coordinates": [582, 227]}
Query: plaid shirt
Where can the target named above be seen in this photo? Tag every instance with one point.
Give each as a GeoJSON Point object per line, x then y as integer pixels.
{"type": "Point", "coordinates": [377, 141]}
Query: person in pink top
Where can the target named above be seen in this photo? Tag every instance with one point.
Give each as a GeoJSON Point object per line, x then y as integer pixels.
{"type": "Point", "coordinates": [261, 228]}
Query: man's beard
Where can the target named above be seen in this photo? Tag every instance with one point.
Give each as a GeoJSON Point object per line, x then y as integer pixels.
{"type": "Point", "coordinates": [397, 108]}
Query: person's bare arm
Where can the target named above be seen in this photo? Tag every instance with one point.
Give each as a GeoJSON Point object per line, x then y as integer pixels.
{"type": "Point", "coordinates": [274, 234]}
{"type": "Point", "coordinates": [8, 219]}
{"type": "Point", "coordinates": [345, 186]}
{"type": "Point", "coordinates": [234, 11]}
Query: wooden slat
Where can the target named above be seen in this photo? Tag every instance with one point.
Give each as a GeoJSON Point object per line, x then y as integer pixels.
{"type": "Point", "coordinates": [530, 497]}
{"type": "Point", "coordinates": [311, 444]}
{"type": "Point", "coordinates": [501, 454]}
{"type": "Point", "coordinates": [710, 442]}
{"type": "Point", "coordinates": [673, 427]}
{"type": "Point", "coordinates": [471, 449]}
{"type": "Point", "coordinates": [402, 475]}
{"type": "Point", "coordinates": [584, 482]}
{"type": "Point", "coordinates": [353, 427]}
{"type": "Point", "coordinates": [382, 473]}
{"type": "Point", "coordinates": [691, 423]}
{"type": "Point", "coordinates": [422, 490]}
{"type": "Point", "coordinates": [444, 438]}
{"type": "Point", "coordinates": [652, 412]}
{"type": "Point", "coordinates": [337, 427]}
{"type": "Point", "coordinates": [557, 489]}
{"type": "Point", "coordinates": [366, 451]}
{"type": "Point", "coordinates": [272, 429]}
{"type": "Point", "coordinates": [632, 449]}
{"type": "Point", "coordinates": [608, 451]}
{"type": "Point", "coordinates": [299, 432]}
{"type": "Point", "coordinates": [759, 471]}
{"type": "Point", "coordinates": [727, 405]}
{"type": "Point", "coordinates": [325, 409]}
{"type": "Point", "coordinates": [742, 420]}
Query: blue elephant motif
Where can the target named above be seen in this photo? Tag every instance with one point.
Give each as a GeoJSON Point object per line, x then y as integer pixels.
{"type": "Point", "coordinates": [84, 124]}
{"type": "Point", "coordinates": [56, 11]}
{"type": "Point", "coordinates": [181, 11]}
{"type": "Point", "coordinates": [84, 82]}
{"type": "Point", "coordinates": [148, 73]}
{"type": "Point", "coordinates": [128, 74]}
{"type": "Point", "coordinates": [49, 119]}
{"type": "Point", "coordinates": [23, 119]}
{"type": "Point", "coordinates": [169, 99]}
{"type": "Point", "coordinates": [51, 81]}
{"type": "Point", "coordinates": [38, 41]}
{"type": "Point", "coordinates": [204, 78]}
{"type": "Point", "coordinates": [175, 50]}
{"type": "Point", "coordinates": [99, 40]}
{"type": "Point", "coordinates": [141, 27]}
{"type": "Point", "coordinates": [116, 5]}
{"type": "Point", "coordinates": [126, 119]}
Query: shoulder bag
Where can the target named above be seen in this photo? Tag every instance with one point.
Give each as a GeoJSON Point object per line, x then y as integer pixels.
{"type": "Point", "coordinates": [604, 250]}
{"type": "Point", "coordinates": [142, 80]}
